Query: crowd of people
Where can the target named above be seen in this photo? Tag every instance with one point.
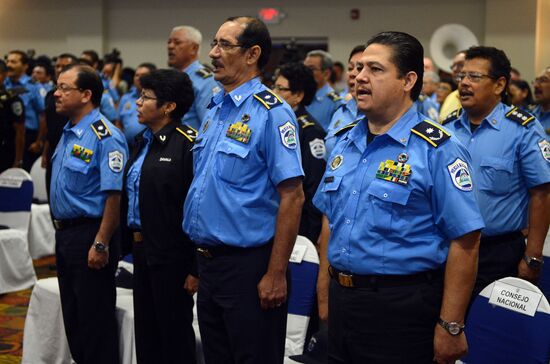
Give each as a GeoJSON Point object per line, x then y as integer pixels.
{"type": "Point", "coordinates": [418, 188]}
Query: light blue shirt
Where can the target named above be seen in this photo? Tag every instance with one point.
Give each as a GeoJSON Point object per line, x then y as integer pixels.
{"type": "Point", "coordinates": [107, 106]}
{"type": "Point", "coordinates": [233, 198]}
{"type": "Point", "coordinates": [346, 114]}
{"type": "Point", "coordinates": [32, 100]}
{"type": "Point", "coordinates": [108, 86]}
{"type": "Point", "coordinates": [132, 183]}
{"type": "Point", "coordinates": [544, 118]}
{"type": "Point", "coordinates": [426, 106]}
{"type": "Point", "coordinates": [85, 167]}
{"type": "Point", "coordinates": [323, 106]}
{"type": "Point", "coordinates": [127, 113]}
{"type": "Point", "coordinates": [204, 87]}
{"type": "Point", "coordinates": [507, 160]}
{"type": "Point", "coordinates": [384, 227]}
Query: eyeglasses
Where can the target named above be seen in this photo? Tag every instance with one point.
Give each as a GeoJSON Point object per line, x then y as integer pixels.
{"type": "Point", "coordinates": [280, 88]}
{"type": "Point", "coordinates": [65, 88]}
{"type": "Point", "coordinates": [225, 45]}
{"type": "Point", "coordinates": [542, 79]}
{"type": "Point", "coordinates": [144, 97]}
{"type": "Point", "coordinates": [472, 76]}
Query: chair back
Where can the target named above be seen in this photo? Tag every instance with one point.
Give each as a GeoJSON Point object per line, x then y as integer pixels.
{"type": "Point", "coordinates": [16, 189]}
{"type": "Point", "coordinates": [544, 279]}
{"type": "Point", "coordinates": [38, 175]}
{"type": "Point", "coordinates": [503, 335]}
{"type": "Point", "coordinates": [304, 269]}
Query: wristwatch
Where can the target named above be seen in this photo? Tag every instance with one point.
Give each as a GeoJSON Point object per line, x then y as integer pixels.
{"type": "Point", "coordinates": [453, 328]}
{"type": "Point", "coordinates": [100, 247]}
{"type": "Point", "coordinates": [532, 262]}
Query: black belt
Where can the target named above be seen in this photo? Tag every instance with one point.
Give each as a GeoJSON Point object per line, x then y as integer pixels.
{"type": "Point", "coordinates": [349, 280]}
{"type": "Point", "coordinates": [67, 223]}
{"type": "Point", "coordinates": [503, 238]}
{"type": "Point", "coordinates": [221, 250]}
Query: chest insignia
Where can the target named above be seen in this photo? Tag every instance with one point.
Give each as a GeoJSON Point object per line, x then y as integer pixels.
{"type": "Point", "coordinates": [403, 157]}
{"type": "Point", "coordinates": [245, 118]}
{"type": "Point", "coordinates": [394, 172]}
{"type": "Point", "coordinates": [336, 161]}
{"type": "Point", "coordinates": [82, 153]}
{"type": "Point", "coordinates": [317, 148]}
{"type": "Point", "coordinates": [239, 132]}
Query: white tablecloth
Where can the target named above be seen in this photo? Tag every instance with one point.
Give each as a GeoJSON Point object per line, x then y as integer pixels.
{"type": "Point", "coordinates": [16, 270]}
{"type": "Point", "coordinates": [41, 232]}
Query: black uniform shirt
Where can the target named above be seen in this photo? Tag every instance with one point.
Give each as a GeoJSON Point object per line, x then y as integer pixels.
{"type": "Point", "coordinates": [166, 175]}
{"type": "Point", "coordinates": [12, 112]}
{"type": "Point", "coordinates": [312, 146]}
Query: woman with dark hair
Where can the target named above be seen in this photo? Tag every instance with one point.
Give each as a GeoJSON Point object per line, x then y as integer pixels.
{"type": "Point", "coordinates": [157, 177]}
{"type": "Point", "coordinates": [296, 85]}
{"type": "Point", "coordinates": [519, 94]}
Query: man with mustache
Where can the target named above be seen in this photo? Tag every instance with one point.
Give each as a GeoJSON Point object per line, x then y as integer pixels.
{"type": "Point", "coordinates": [244, 205]}
{"type": "Point", "coordinates": [542, 98]}
{"type": "Point", "coordinates": [402, 221]}
{"type": "Point", "coordinates": [183, 54]}
{"type": "Point", "coordinates": [511, 163]}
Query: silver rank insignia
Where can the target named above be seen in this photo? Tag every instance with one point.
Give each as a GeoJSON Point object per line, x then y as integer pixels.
{"type": "Point", "coordinates": [336, 162]}
{"type": "Point", "coordinates": [392, 171]}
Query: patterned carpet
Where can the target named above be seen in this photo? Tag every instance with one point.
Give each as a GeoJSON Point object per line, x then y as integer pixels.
{"type": "Point", "coordinates": [13, 309]}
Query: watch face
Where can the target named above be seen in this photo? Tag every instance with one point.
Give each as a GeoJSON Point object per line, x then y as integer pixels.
{"type": "Point", "coordinates": [534, 263]}
{"type": "Point", "coordinates": [454, 329]}
{"type": "Point", "coordinates": [100, 247]}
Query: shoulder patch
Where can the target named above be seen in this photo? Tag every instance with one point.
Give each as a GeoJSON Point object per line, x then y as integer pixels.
{"type": "Point", "coordinates": [188, 132]}
{"type": "Point", "coordinates": [520, 116]}
{"type": "Point", "coordinates": [101, 129]}
{"type": "Point", "coordinates": [204, 72]}
{"type": "Point", "coordinates": [334, 96]}
{"type": "Point", "coordinates": [305, 121]}
{"type": "Point", "coordinates": [431, 132]}
{"type": "Point", "coordinates": [345, 129]}
{"type": "Point", "coordinates": [452, 116]}
{"type": "Point", "coordinates": [268, 99]}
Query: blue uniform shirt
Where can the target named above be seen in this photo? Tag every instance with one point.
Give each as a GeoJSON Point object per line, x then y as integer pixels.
{"type": "Point", "coordinates": [32, 100]}
{"type": "Point", "coordinates": [233, 198]}
{"type": "Point", "coordinates": [44, 88]}
{"type": "Point", "coordinates": [383, 227]}
{"type": "Point", "coordinates": [107, 106]}
{"type": "Point", "coordinates": [347, 113]}
{"type": "Point", "coordinates": [324, 104]}
{"type": "Point", "coordinates": [88, 162]}
{"type": "Point", "coordinates": [109, 87]}
{"type": "Point", "coordinates": [127, 113]}
{"type": "Point", "coordinates": [426, 106]}
{"type": "Point", "coordinates": [204, 87]}
{"type": "Point", "coordinates": [544, 118]}
{"type": "Point", "coordinates": [507, 160]}
{"type": "Point", "coordinates": [132, 183]}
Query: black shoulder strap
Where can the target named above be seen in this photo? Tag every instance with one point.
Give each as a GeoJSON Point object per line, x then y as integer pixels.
{"type": "Point", "coordinates": [268, 99]}
{"type": "Point", "coordinates": [188, 132]}
{"type": "Point", "coordinates": [431, 132]}
{"type": "Point", "coordinates": [520, 116]}
{"type": "Point", "coordinates": [101, 129]}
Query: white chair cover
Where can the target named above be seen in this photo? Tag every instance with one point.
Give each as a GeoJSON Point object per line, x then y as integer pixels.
{"type": "Point", "coordinates": [38, 175]}
{"type": "Point", "coordinates": [41, 232]}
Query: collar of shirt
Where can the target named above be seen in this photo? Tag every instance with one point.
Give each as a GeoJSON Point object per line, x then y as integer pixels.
{"type": "Point", "coordinates": [164, 134]}
{"type": "Point", "coordinates": [193, 67]}
{"type": "Point", "coordinates": [23, 80]}
{"type": "Point", "coordinates": [323, 91]}
{"type": "Point", "coordinates": [134, 92]}
{"type": "Point", "coordinates": [240, 94]}
{"type": "Point", "coordinates": [493, 119]}
{"type": "Point", "coordinates": [84, 123]}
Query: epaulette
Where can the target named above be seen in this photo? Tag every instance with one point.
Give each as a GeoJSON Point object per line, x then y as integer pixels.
{"type": "Point", "coordinates": [345, 129]}
{"type": "Point", "coordinates": [334, 96]}
{"type": "Point", "coordinates": [204, 72]}
{"type": "Point", "coordinates": [520, 116]}
{"type": "Point", "coordinates": [431, 132]}
{"type": "Point", "coordinates": [187, 132]}
{"type": "Point", "coordinates": [268, 99]}
{"type": "Point", "coordinates": [452, 116]}
{"type": "Point", "coordinates": [305, 121]}
{"type": "Point", "coordinates": [421, 98]}
{"type": "Point", "coordinates": [101, 129]}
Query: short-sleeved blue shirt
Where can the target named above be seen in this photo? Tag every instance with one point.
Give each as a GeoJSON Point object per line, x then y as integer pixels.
{"type": "Point", "coordinates": [507, 160]}
{"type": "Point", "coordinates": [400, 226]}
{"type": "Point", "coordinates": [346, 114]}
{"type": "Point", "coordinates": [33, 101]}
{"type": "Point", "coordinates": [544, 118]}
{"type": "Point", "coordinates": [247, 145]}
{"type": "Point", "coordinates": [88, 162]}
{"type": "Point", "coordinates": [324, 105]}
{"type": "Point", "coordinates": [204, 87]}
{"type": "Point", "coordinates": [127, 114]}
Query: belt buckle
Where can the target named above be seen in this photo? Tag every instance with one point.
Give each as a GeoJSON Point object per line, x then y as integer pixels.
{"type": "Point", "coordinates": [57, 224]}
{"type": "Point", "coordinates": [205, 253]}
{"type": "Point", "coordinates": [138, 238]}
{"type": "Point", "coordinates": [345, 280]}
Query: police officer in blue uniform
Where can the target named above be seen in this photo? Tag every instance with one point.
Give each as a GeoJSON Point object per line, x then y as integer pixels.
{"type": "Point", "coordinates": [85, 203]}
{"type": "Point", "coordinates": [347, 113]}
{"type": "Point", "coordinates": [511, 163]}
{"type": "Point", "coordinates": [18, 63]}
{"type": "Point", "coordinates": [183, 54]}
{"type": "Point", "coordinates": [541, 87]}
{"type": "Point", "coordinates": [244, 204]}
{"type": "Point", "coordinates": [402, 218]}
{"type": "Point", "coordinates": [127, 109]}
{"type": "Point", "coordinates": [326, 100]}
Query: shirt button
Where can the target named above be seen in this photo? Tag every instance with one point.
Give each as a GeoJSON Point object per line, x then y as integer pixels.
{"type": "Point", "coordinates": [385, 195]}
{"type": "Point", "coordinates": [354, 192]}
{"type": "Point", "coordinates": [364, 161]}
{"type": "Point", "coordinates": [348, 221]}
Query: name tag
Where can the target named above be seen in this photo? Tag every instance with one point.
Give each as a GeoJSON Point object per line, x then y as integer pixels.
{"type": "Point", "coordinates": [298, 253]}
{"type": "Point", "coordinates": [163, 159]}
{"type": "Point", "coordinates": [514, 298]}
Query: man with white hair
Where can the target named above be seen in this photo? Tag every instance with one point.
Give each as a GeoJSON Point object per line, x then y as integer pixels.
{"type": "Point", "coordinates": [326, 100]}
{"type": "Point", "coordinates": [183, 54]}
{"type": "Point", "coordinates": [429, 86]}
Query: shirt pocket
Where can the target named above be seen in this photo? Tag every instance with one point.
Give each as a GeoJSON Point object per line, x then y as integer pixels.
{"type": "Point", "coordinates": [387, 199]}
{"type": "Point", "coordinates": [232, 162]}
{"type": "Point", "coordinates": [329, 187]}
{"type": "Point", "coordinates": [495, 174]}
{"type": "Point", "coordinates": [77, 177]}
{"type": "Point", "coordinates": [198, 149]}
